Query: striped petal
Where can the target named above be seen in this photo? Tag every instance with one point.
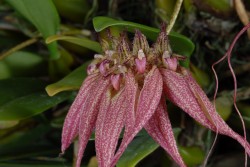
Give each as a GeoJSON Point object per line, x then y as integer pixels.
{"type": "Point", "coordinates": [109, 124]}
{"type": "Point", "coordinates": [183, 91]}
{"type": "Point", "coordinates": [148, 101]}
{"type": "Point", "coordinates": [159, 127]}
{"type": "Point", "coordinates": [132, 94]}
{"type": "Point", "coordinates": [89, 112]}
{"type": "Point", "coordinates": [71, 123]}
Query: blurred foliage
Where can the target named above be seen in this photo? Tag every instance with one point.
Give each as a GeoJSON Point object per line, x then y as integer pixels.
{"type": "Point", "coordinates": [46, 45]}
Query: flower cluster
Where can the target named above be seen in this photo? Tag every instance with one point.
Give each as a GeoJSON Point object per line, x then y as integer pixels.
{"type": "Point", "coordinates": [127, 88]}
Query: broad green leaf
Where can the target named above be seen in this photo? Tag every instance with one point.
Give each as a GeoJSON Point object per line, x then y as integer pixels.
{"type": "Point", "coordinates": [43, 15]}
{"type": "Point", "coordinates": [73, 10]}
{"type": "Point", "coordinates": [4, 71]}
{"type": "Point", "coordinates": [180, 44]}
{"type": "Point", "coordinates": [72, 81]}
{"type": "Point", "coordinates": [224, 106]}
{"type": "Point", "coordinates": [23, 98]}
{"type": "Point", "coordinates": [25, 143]}
{"type": "Point", "coordinates": [13, 88]}
{"type": "Point", "coordinates": [138, 149]}
{"type": "Point", "coordinates": [7, 124]}
{"type": "Point", "coordinates": [192, 156]}
{"type": "Point", "coordinates": [84, 42]}
{"type": "Point", "coordinates": [23, 64]}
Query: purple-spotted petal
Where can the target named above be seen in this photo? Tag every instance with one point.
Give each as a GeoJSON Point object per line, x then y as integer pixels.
{"type": "Point", "coordinates": [183, 91]}
{"type": "Point", "coordinates": [109, 125]}
{"type": "Point", "coordinates": [132, 94]}
{"type": "Point", "coordinates": [104, 108]}
{"type": "Point", "coordinates": [71, 123]}
{"type": "Point", "coordinates": [141, 65]}
{"type": "Point", "coordinates": [159, 127]}
{"type": "Point", "coordinates": [148, 101]}
{"type": "Point", "coordinates": [208, 108]}
{"type": "Point", "coordinates": [89, 113]}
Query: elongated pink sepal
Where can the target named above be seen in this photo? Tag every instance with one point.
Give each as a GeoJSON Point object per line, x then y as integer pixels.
{"type": "Point", "coordinates": [110, 122]}
{"type": "Point", "coordinates": [159, 127]}
{"type": "Point", "coordinates": [183, 91]}
{"type": "Point", "coordinates": [148, 101]}
{"type": "Point", "coordinates": [89, 112]}
{"type": "Point", "coordinates": [71, 123]}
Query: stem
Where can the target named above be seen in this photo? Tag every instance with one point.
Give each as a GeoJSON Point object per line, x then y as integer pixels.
{"type": "Point", "coordinates": [76, 145]}
{"type": "Point", "coordinates": [18, 47]}
{"type": "Point", "coordinates": [174, 15]}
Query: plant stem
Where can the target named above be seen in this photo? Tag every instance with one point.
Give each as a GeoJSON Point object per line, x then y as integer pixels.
{"type": "Point", "coordinates": [174, 15]}
{"type": "Point", "coordinates": [18, 47]}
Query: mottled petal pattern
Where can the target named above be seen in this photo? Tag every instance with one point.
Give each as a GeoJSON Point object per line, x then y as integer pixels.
{"type": "Point", "coordinates": [223, 128]}
{"type": "Point", "coordinates": [132, 94]}
{"type": "Point", "coordinates": [148, 101]}
{"type": "Point", "coordinates": [159, 127]}
{"type": "Point", "coordinates": [194, 101]}
{"type": "Point", "coordinates": [89, 113]}
{"type": "Point", "coordinates": [71, 123]}
{"type": "Point", "coordinates": [109, 125]}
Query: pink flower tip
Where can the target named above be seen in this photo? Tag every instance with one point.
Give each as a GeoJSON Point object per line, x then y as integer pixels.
{"type": "Point", "coordinates": [91, 69]}
{"type": "Point", "coordinates": [141, 65]}
{"type": "Point", "coordinates": [141, 62]}
{"type": "Point", "coordinates": [115, 81]}
{"type": "Point", "coordinates": [170, 63]}
{"type": "Point", "coordinates": [104, 67]}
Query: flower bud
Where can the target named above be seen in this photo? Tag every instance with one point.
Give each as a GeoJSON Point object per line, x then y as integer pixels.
{"type": "Point", "coordinates": [91, 68]}
{"type": "Point", "coordinates": [141, 62]}
{"type": "Point", "coordinates": [104, 66]}
{"type": "Point", "coordinates": [115, 81]}
{"type": "Point", "coordinates": [171, 63]}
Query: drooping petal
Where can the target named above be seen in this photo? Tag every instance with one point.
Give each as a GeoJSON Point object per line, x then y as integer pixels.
{"type": "Point", "coordinates": [183, 91]}
{"type": "Point", "coordinates": [89, 111]}
{"type": "Point", "coordinates": [131, 88]}
{"type": "Point", "coordinates": [104, 108]}
{"type": "Point", "coordinates": [159, 127]}
{"type": "Point", "coordinates": [223, 128]}
{"type": "Point", "coordinates": [148, 101]}
{"type": "Point", "coordinates": [71, 123]}
{"type": "Point", "coordinates": [109, 124]}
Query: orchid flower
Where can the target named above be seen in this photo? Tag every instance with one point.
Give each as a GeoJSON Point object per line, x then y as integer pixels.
{"type": "Point", "coordinates": [127, 88]}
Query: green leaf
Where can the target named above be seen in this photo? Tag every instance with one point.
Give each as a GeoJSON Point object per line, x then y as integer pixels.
{"type": "Point", "coordinates": [34, 164]}
{"type": "Point", "coordinates": [72, 81]}
{"type": "Point", "coordinates": [192, 156]}
{"type": "Point", "coordinates": [43, 15]}
{"type": "Point", "coordinates": [138, 149]}
{"type": "Point", "coordinates": [25, 143]}
{"type": "Point", "coordinates": [180, 44]}
{"type": "Point", "coordinates": [7, 124]}
{"type": "Point", "coordinates": [84, 42]}
{"type": "Point", "coordinates": [23, 64]}
{"type": "Point", "coordinates": [23, 98]}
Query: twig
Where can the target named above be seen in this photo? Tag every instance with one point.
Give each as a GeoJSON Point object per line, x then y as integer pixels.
{"type": "Point", "coordinates": [174, 15]}
{"type": "Point", "coordinates": [18, 47]}
{"type": "Point", "coordinates": [242, 13]}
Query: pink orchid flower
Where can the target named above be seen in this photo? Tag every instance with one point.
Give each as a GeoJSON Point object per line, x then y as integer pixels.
{"type": "Point", "coordinates": [127, 89]}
